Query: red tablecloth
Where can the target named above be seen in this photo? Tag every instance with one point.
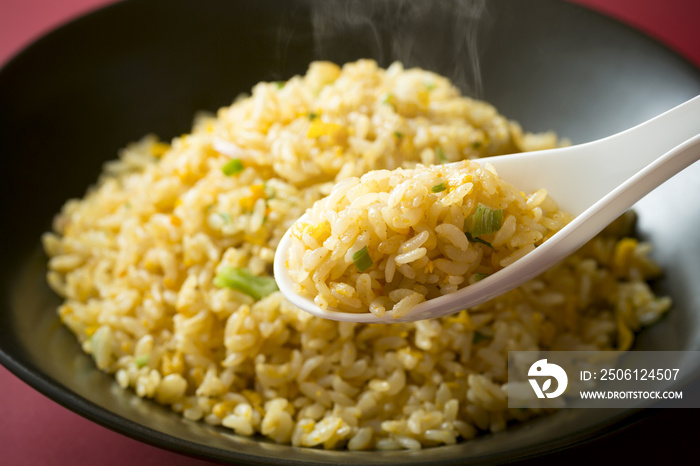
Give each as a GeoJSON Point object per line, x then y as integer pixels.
{"type": "Point", "coordinates": [36, 431]}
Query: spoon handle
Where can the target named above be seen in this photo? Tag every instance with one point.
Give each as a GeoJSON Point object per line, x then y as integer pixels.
{"type": "Point", "coordinates": [622, 197]}
{"type": "Point", "coordinates": [594, 169]}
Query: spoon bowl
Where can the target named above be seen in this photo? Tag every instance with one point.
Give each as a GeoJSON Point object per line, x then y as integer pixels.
{"type": "Point", "coordinates": [596, 182]}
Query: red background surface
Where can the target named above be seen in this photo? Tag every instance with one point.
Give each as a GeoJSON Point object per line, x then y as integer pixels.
{"type": "Point", "coordinates": [36, 431]}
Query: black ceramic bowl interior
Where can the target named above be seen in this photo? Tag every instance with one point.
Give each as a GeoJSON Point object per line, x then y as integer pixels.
{"type": "Point", "coordinates": [72, 99]}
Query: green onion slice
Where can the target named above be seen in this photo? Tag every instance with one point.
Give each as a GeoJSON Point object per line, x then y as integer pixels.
{"type": "Point", "coordinates": [141, 361]}
{"type": "Point", "coordinates": [362, 260]}
{"type": "Point", "coordinates": [312, 116]}
{"type": "Point", "coordinates": [472, 239]}
{"type": "Point", "coordinates": [480, 276]}
{"type": "Point", "coordinates": [398, 134]}
{"type": "Point", "coordinates": [486, 220]}
{"type": "Point", "coordinates": [438, 188]}
{"type": "Point", "coordinates": [225, 217]}
{"type": "Point", "coordinates": [440, 154]}
{"type": "Point", "coordinates": [479, 337]}
{"type": "Point", "coordinates": [233, 167]}
{"type": "Point", "coordinates": [242, 280]}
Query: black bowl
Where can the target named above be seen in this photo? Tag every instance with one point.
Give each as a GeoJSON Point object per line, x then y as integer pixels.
{"type": "Point", "coordinates": [71, 100]}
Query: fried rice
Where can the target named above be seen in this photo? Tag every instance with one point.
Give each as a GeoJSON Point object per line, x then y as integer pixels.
{"type": "Point", "coordinates": [164, 267]}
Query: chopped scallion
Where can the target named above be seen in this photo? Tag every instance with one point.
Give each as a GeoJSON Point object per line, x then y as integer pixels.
{"type": "Point", "coordinates": [280, 84]}
{"type": "Point", "coordinates": [479, 337]}
{"type": "Point", "coordinates": [141, 361]}
{"type": "Point", "coordinates": [486, 220]}
{"type": "Point", "coordinates": [312, 116]}
{"type": "Point", "coordinates": [398, 134]}
{"type": "Point", "coordinates": [225, 217]}
{"type": "Point", "coordinates": [233, 167]}
{"type": "Point", "coordinates": [480, 276]}
{"type": "Point", "coordinates": [388, 98]}
{"type": "Point", "coordinates": [472, 239]}
{"type": "Point", "coordinates": [242, 280]}
{"type": "Point", "coordinates": [438, 188]}
{"type": "Point", "coordinates": [476, 144]}
{"type": "Point", "coordinates": [440, 154]}
{"type": "Point", "coordinates": [362, 260]}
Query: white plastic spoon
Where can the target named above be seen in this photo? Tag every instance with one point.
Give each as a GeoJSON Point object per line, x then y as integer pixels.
{"type": "Point", "coordinates": [596, 182]}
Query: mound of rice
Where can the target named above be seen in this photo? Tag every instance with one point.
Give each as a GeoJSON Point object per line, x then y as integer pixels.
{"type": "Point", "coordinates": [391, 239]}
{"type": "Point", "coordinates": [165, 270]}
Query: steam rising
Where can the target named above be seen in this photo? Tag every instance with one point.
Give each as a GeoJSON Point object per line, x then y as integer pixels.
{"type": "Point", "coordinates": [438, 35]}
